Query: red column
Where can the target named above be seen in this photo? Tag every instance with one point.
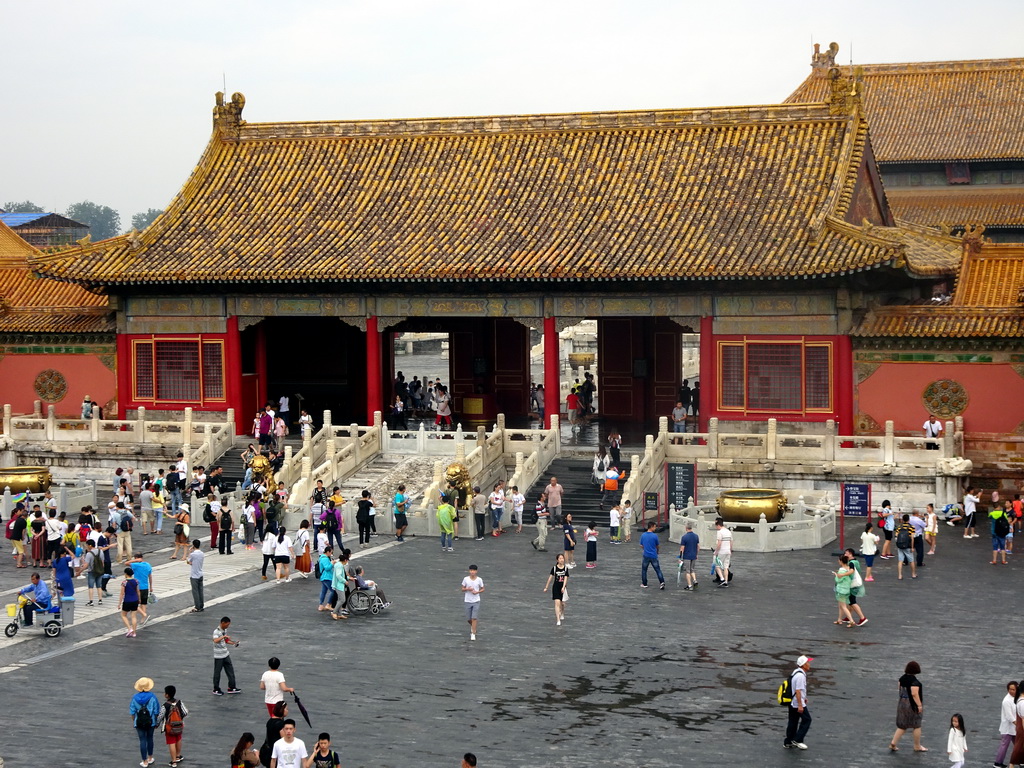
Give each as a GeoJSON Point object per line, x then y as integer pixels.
{"type": "Point", "coordinates": [552, 390]}
{"type": "Point", "coordinates": [374, 385]}
{"type": "Point", "coordinates": [708, 378]}
{"type": "Point", "coordinates": [233, 375]}
{"type": "Point", "coordinates": [125, 393]}
{"type": "Point", "coordinates": [844, 386]}
{"type": "Point", "coordinates": [261, 369]}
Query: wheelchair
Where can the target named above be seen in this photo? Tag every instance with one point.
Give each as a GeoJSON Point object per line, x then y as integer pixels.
{"type": "Point", "coordinates": [363, 601]}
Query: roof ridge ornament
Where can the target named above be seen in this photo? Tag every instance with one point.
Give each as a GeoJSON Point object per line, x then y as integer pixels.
{"type": "Point", "coordinates": [973, 238]}
{"type": "Point", "coordinates": [228, 116]}
{"type": "Point", "coordinates": [844, 92]}
{"type": "Point", "coordinates": [824, 61]}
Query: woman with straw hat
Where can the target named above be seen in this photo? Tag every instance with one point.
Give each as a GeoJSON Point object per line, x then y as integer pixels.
{"type": "Point", "coordinates": [144, 710]}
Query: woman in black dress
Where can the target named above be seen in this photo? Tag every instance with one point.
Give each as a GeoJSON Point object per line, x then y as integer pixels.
{"type": "Point", "coordinates": [558, 580]}
{"type": "Point", "coordinates": [910, 708]}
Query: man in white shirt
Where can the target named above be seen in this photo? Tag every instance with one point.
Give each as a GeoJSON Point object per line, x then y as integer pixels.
{"type": "Point", "coordinates": [932, 430]}
{"type": "Point", "coordinates": [723, 552]}
{"type": "Point", "coordinates": [472, 586]}
{"type": "Point", "coordinates": [970, 508]}
{"type": "Point", "coordinates": [1007, 718]}
{"type": "Point", "coordinates": [289, 752]}
{"type": "Point", "coordinates": [799, 714]}
{"type": "Point", "coordinates": [283, 411]}
{"type": "Point", "coordinates": [518, 502]}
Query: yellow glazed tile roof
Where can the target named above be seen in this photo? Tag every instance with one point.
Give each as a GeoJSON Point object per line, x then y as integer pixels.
{"type": "Point", "coordinates": [29, 304]}
{"type": "Point", "coordinates": [937, 111]}
{"type": "Point", "coordinates": [958, 205]}
{"type": "Point", "coordinates": [993, 277]}
{"type": "Point", "coordinates": [684, 194]}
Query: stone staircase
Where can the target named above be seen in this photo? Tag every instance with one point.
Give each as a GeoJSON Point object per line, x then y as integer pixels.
{"type": "Point", "coordinates": [581, 497]}
{"type": "Point", "coordinates": [231, 461]}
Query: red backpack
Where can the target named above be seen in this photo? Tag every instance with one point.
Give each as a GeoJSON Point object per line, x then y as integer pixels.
{"type": "Point", "coordinates": [175, 720]}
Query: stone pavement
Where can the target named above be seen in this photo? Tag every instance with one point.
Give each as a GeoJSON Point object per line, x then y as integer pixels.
{"type": "Point", "coordinates": [632, 678]}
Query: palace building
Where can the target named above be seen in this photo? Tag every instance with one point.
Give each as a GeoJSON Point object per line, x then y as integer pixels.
{"type": "Point", "coordinates": [295, 251]}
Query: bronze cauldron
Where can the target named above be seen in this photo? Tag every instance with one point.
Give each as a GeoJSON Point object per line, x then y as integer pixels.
{"type": "Point", "coordinates": [745, 505]}
{"type": "Point", "coordinates": [31, 479]}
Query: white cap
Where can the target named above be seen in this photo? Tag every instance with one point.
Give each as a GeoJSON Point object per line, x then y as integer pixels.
{"type": "Point", "coordinates": [804, 660]}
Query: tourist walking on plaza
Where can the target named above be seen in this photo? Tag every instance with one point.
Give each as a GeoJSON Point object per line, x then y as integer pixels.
{"type": "Point", "coordinates": [542, 524]}
{"type": "Point", "coordinates": [275, 725]}
{"type": "Point", "coordinates": [182, 519]}
{"type": "Point", "coordinates": [569, 540]}
{"type": "Point", "coordinates": [723, 552]}
{"type": "Point", "coordinates": [558, 581]}
{"type": "Point", "coordinates": [303, 560]}
{"type": "Point", "coordinates": [497, 503]}
{"type": "Point", "coordinates": [650, 543]}
{"type": "Point", "coordinates": [129, 602]}
{"type": "Point", "coordinates": [269, 543]}
{"type": "Point", "coordinates": [842, 591]}
{"type": "Point", "coordinates": [226, 530]}
{"type": "Point", "coordinates": [249, 522]}
{"type": "Point", "coordinates": [445, 513]}
{"type": "Point", "coordinates": [1017, 758]}
{"type": "Point", "coordinates": [689, 545]}
{"type": "Point", "coordinates": [887, 524]}
{"type": "Point", "coordinates": [92, 567]}
{"type": "Point", "coordinates": [273, 684]}
{"type": "Point", "coordinates": [868, 548]}
{"type": "Point", "coordinates": [1007, 724]}
{"type": "Point", "coordinates": [399, 507]}
{"type": "Point", "coordinates": [931, 528]}
{"type": "Point", "coordinates": [857, 589]}
{"type": "Point", "coordinates": [970, 511]}
{"type": "Point", "coordinates": [910, 708]}
{"type": "Point", "coordinates": [920, 526]}
{"type": "Point", "coordinates": [244, 755]}
{"type": "Point", "coordinates": [288, 752]}
{"type": "Point", "coordinates": [222, 657]}
{"type": "Point", "coordinates": [323, 756]}
{"type": "Point", "coordinates": [518, 504]}
{"type": "Point", "coordinates": [590, 537]}
{"type": "Point", "coordinates": [1000, 530]}
{"type": "Point", "coordinates": [904, 545]}
{"type": "Point", "coordinates": [341, 583]}
{"type": "Point", "coordinates": [479, 505]}
{"type": "Point", "coordinates": [172, 723]}
{"type": "Point", "coordinates": [144, 710]}
{"type": "Point", "coordinates": [325, 565]}
{"type": "Point", "coordinates": [799, 714]}
{"type": "Point", "coordinates": [144, 575]}
{"type": "Point", "coordinates": [195, 560]}
{"type": "Point", "coordinates": [364, 508]}
{"type": "Point", "coordinates": [956, 742]}
{"type": "Point", "coordinates": [284, 551]}
{"type": "Point", "coordinates": [554, 493]}
{"type": "Point", "coordinates": [626, 522]}
{"type": "Point", "coordinates": [472, 587]}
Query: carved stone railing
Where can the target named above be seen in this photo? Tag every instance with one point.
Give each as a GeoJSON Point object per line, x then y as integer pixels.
{"type": "Point", "coordinates": [804, 527]}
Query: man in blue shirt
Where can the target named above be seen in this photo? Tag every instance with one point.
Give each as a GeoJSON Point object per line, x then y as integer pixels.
{"type": "Point", "coordinates": [37, 591]}
{"type": "Point", "coordinates": [144, 575]}
{"type": "Point", "coordinates": [688, 546]}
{"type": "Point", "coordinates": [649, 541]}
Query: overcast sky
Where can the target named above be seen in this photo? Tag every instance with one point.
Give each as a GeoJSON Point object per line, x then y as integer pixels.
{"type": "Point", "coordinates": [111, 101]}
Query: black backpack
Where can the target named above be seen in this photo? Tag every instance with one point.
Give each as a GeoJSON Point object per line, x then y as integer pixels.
{"type": "Point", "coordinates": [143, 718]}
{"type": "Point", "coordinates": [225, 519]}
{"type": "Point", "coordinates": [207, 514]}
{"type": "Point", "coordinates": [331, 520]}
{"type": "Point", "coordinates": [903, 539]}
{"type": "Point", "coordinates": [1002, 526]}
{"type": "Point", "coordinates": [126, 523]}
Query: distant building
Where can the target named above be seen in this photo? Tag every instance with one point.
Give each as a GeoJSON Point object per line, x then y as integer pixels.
{"type": "Point", "coordinates": [45, 230]}
{"type": "Point", "coordinates": [946, 135]}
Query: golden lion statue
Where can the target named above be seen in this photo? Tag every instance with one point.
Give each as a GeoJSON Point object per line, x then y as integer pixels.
{"type": "Point", "coordinates": [262, 474]}
{"type": "Point", "coordinates": [460, 487]}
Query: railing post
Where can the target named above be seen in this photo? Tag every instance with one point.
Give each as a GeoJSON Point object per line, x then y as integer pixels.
{"type": "Point", "coordinates": [95, 499]}
{"type": "Point", "coordinates": [481, 435]}
{"type": "Point", "coordinates": [662, 424]}
{"type": "Point", "coordinates": [460, 451]}
{"type": "Point", "coordinates": [187, 431]}
{"type": "Point", "coordinates": [762, 533]}
{"type": "Point", "coordinates": [830, 440]}
{"type": "Point", "coordinates": [520, 462]}
{"type": "Point", "coordinates": [378, 419]}
{"type": "Point", "coordinates": [946, 442]}
{"type": "Point", "coordinates": [771, 441]}
{"type": "Point", "coordinates": [231, 423]}
{"type": "Point", "coordinates": [140, 424]}
{"type": "Point", "coordinates": [500, 424]}
{"type": "Point", "coordinates": [37, 409]}
{"type": "Point", "coordinates": [94, 424]}
{"type": "Point", "coordinates": [6, 505]}
{"type": "Point", "coordinates": [8, 428]}
{"type": "Point", "coordinates": [421, 438]}
{"type": "Point", "coordinates": [889, 445]}
{"type": "Point", "coordinates": [327, 421]}
{"type": "Point", "coordinates": [51, 422]}
{"type": "Point", "coordinates": [62, 499]}
{"type": "Point", "coordinates": [353, 432]}
{"type": "Point", "coordinates": [208, 442]}
{"type": "Point", "coordinates": [713, 437]}
{"type": "Point", "coordinates": [307, 468]}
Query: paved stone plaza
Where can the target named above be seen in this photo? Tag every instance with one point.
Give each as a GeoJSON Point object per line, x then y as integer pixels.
{"type": "Point", "coordinates": [632, 678]}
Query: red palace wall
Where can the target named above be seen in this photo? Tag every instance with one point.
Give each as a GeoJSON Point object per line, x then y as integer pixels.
{"type": "Point", "coordinates": [894, 392]}
{"type": "Point", "coordinates": [85, 375]}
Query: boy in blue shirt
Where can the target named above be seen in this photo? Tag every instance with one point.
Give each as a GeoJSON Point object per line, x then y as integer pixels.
{"type": "Point", "coordinates": [688, 546]}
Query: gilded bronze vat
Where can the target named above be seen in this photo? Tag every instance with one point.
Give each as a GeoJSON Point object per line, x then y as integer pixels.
{"type": "Point", "coordinates": [31, 479]}
{"type": "Point", "coordinates": [746, 505]}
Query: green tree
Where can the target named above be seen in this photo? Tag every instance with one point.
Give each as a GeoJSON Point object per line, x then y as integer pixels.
{"type": "Point", "coordinates": [142, 220]}
{"type": "Point", "coordinates": [25, 206]}
{"type": "Point", "coordinates": [103, 220]}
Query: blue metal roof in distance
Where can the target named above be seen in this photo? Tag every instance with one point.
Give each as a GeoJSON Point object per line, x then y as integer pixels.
{"type": "Point", "coordinates": [17, 219]}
